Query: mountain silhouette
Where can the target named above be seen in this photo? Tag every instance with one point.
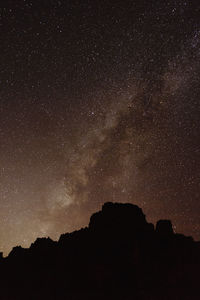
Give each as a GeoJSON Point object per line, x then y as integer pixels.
{"type": "Point", "coordinates": [118, 256]}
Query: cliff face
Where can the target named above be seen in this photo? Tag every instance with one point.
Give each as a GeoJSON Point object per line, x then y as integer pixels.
{"type": "Point", "coordinates": [118, 256]}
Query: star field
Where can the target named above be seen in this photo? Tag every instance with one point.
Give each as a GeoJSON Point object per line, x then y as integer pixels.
{"type": "Point", "coordinates": [99, 101]}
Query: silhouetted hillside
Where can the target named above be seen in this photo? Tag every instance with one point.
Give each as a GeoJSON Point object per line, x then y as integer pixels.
{"type": "Point", "coordinates": [118, 256]}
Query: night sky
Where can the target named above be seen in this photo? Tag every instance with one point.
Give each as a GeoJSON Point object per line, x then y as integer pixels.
{"type": "Point", "coordinates": [99, 101]}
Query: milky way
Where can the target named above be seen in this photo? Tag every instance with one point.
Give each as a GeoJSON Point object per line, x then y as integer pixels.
{"type": "Point", "coordinates": [99, 102]}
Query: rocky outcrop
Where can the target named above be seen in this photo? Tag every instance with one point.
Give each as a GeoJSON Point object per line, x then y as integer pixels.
{"type": "Point", "coordinates": [118, 256]}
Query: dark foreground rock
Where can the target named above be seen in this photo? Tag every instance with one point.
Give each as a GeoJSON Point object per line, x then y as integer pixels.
{"type": "Point", "coordinates": [118, 256]}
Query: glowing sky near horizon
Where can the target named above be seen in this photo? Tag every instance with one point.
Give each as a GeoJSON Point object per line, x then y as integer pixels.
{"type": "Point", "coordinates": [99, 101]}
